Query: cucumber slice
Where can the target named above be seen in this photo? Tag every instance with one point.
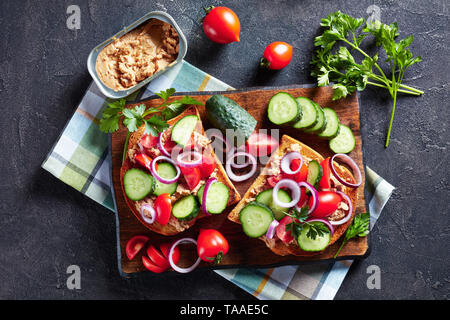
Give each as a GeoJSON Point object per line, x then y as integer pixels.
{"type": "Point", "coordinates": [344, 142]}
{"type": "Point", "coordinates": [321, 121]}
{"type": "Point", "coordinates": [186, 208]}
{"type": "Point", "coordinates": [283, 108]}
{"type": "Point", "coordinates": [217, 198]}
{"type": "Point", "coordinates": [308, 244]}
{"type": "Point", "coordinates": [165, 170]}
{"type": "Point", "coordinates": [314, 173]}
{"type": "Point", "coordinates": [266, 198]}
{"type": "Point", "coordinates": [182, 130]}
{"type": "Point", "coordinates": [256, 219]}
{"type": "Point", "coordinates": [137, 184]}
{"type": "Point", "coordinates": [310, 115]}
{"type": "Point", "coordinates": [332, 124]}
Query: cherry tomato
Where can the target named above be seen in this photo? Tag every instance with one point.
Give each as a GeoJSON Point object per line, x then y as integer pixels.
{"type": "Point", "coordinates": [134, 245]}
{"type": "Point", "coordinates": [163, 208]}
{"type": "Point", "coordinates": [192, 176]}
{"type": "Point", "coordinates": [299, 176]}
{"type": "Point", "coordinates": [211, 245]}
{"type": "Point", "coordinates": [144, 160]}
{"type": "Point", "coordinates": [165, 248]}
{"type": "Point", "coordinates": [151, 266]}
{"type": "Point", "coordinates": [282, 234]}
{"type": "Point", "coordinates": [325, 182]}
{"type": "Point", "coordinates": [273, 180]}
{"type": "Point", "coordinates": [277, 55]}
{"type": "Point", "coordinates": [148, 141]}
{"type": "Point", "coordinates": [221, 25]}
{"type": "Point", "coordinates": [208, 166]}
{"type": "Point", "coordinates": [157, 257]}
{"type": "Point", "coordinates": [328, 203]}
{"type": "Point", "coordinates": [260, 144]}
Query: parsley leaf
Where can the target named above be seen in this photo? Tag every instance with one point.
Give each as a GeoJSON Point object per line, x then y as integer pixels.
{"type": "Point", "coordinates": [358, 228]}
{"type": "Point", "coordinates": [166, 94]}
{"type": "Point", "coordinates": [299, 220]}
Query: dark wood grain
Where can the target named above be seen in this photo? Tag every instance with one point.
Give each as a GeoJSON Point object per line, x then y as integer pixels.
{"type": "Point", "coordinates": [243, 250]}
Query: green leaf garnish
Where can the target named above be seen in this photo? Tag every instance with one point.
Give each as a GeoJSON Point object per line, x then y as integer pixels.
{"type": "Point", "coordinates": [359, 227]}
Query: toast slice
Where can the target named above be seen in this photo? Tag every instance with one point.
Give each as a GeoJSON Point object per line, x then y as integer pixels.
{"type": "Point", "coordinates": [175, 226]}
{"type": "Point", "coordinates": [260, 184]}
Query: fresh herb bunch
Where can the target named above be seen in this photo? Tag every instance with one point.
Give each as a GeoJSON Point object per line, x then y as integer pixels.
{"type": "Point", "coordinates": [359, 227]}
{"type": "Point", "coordinates": [299, 221]}
{"type": "Point", "coordinates": [337, 65]}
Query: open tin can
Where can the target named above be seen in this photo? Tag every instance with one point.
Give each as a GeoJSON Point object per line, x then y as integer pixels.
{"type": "Point", "coordinates": [92, 59]}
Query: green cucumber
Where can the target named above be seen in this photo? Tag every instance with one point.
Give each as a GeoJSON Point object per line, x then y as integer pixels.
{"type": "Point", "coordinates": [314, 173]}
{"type": "Point", "coordinates": [225, 114]}
{"type": "Point", "coordinates": [182, 130]}
{"type": "Point", "coordinates": [168, 171]}
{"type": "Point", "coordinates": [137, 184]}
{"type": "Point", "coordinates": [255, 219]}
{"type": "Point", "coordinates": [321, 122]}
{"type": "Point", "coordinates": [265, 197]}
{"type": "Point", "coordinates": [283, 109]}
{"type": "Point", "coordinates": [216, 199]}
{"type": "Point", "coordinates": [310, 116]}
{"type": "Point", "coordinates": [186, 208]}
{"type": "Point", "coordinates": [308, 244]}
{"type": "Point", "coordinates": [344, 142]}
{"type": "Point", "coordinates": [332, 124]}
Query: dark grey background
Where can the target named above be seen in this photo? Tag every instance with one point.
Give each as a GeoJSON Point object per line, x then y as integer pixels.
{"type": "Point", "coordinates": [47, 226]}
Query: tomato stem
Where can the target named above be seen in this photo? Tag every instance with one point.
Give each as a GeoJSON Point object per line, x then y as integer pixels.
{"type": "Point", "coordinates": [264, 63]}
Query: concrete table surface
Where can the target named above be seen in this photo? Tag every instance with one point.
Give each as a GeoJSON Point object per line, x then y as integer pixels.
{"type": "Point", "coordinates": [47, 226]}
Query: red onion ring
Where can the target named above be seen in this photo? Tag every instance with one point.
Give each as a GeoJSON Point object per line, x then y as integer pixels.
{"type": "Point", "coordinates": [314, 194]}
{"type": "Point", "coordinates": [141, 148]}
{"type": "Point", "coordinates": [352, 164]}
{"type": "Point", "coordinates": [219, 136]}
{"type": "Point", "coordinates": [246, 176]}
{"type": "Point", "coordinates": [325, 222]}
{"type": "Point", "coordinates": [161, 145]}
{"type": "Point", "coordinates": [350, 210]}
{"type": "Point", "coordinates": [152, 211]}
{"type": "Point", "coordinates": [239, 165]}
{"type": "Point", "coordinates": [286, 162]}
{"type": "Point", "coordinates": [208, 184]}
{"type": "Point", "coordinates": [158, 177]}
{"type": "Point", "coordinates": [271, 231]}
{"type": "Point", "coordinates": [295, 193]}
{"type": "Point", "coordinates": [173, 265]}
{"type": "Point", "coordinates": [189, 164]}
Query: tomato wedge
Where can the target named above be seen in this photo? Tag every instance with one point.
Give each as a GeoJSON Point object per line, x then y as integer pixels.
{"type": "Point", "coordinates": [273, 180]}
{"type": "Point", "coordinates": [328, 202]}
{"type": "Point", "coordinates": [325, 182]}
{"type": "Point", "coordinates": [281, 232]}
{"type": "Point", "coordinates": [260, 144]}
{"type": "Point", "coordinates": [144, 160]}
{"type": "Point", "coordinates": [165, 248]}
{"type": "Point", "coordinates": [148, 141]}
{"type": "Point", "coordinates": [208, 166]}
{"type": "Point", "coordinates": [151, 266]}
{"type": "Point", "coordinates": [163, 208]}
{"type": "Point", "coordinates": [157, 257]}
{"type": "Point", "coordinates": [192, 176]}
{"type": "Point", "coordinates": [299, 176]}
{"type": "Point", "coordinates": [134, 245]}
{"type": "Point", "coordinates": [169, 145]}
{"type": "Point", "coordinates": [221, 25]}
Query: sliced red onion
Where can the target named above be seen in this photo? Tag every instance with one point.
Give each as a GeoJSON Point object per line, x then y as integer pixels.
{"type": "Point", "coordinates": [314, 195]}
{"type": "Point", "coordinates": [148, 208]}
{"type": "Point", "coordinates": [158, 177]}
{"type": "Point", "coordinates": [350, 210]}
{"type": "Point", "coordinates": [239, 165]}
{"type": "Point", "coordinates": [286, 162]}
{"type": "Point", "coordinates": [160, 145]}
{"type": "Point", "coordinates": [189, 154]}
{"type": "Point", "coordinates": [219, 136]}
{"type": "Point", "coordinates": [208, 184]}
{"type": "Point", "coordinates": [141, 148]}
{"type": "Point", "coordinates": [173, 265]}
{"type": "Point", "coordinates": [271, 231]}
{"type": "Point", "coordinates": [352, 164]}
{"type": "Point", "coordinates": [295, 193]}
{"type": "Point", "coordinates": [243, 177]}
{"type": "Point", "coordinates": [325, 222]}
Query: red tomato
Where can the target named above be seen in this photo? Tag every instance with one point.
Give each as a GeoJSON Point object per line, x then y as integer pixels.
{"type": "Point", "coordinates": [163, 208]}
{"type": "Point", "coordinates": [144, 160]}
{"type": "Point", "coordinates": [277, 55]}
{"type": "Point", "coordinates": [134, 245]}
{"type": "Point", "coordinates": [260, 144]}
{"type": "Point", "coordinates": [165, 248]}
{"type": "Point", "coordinates": [211, 245]}
{"type": "Point", "coordinates": [273, 180]}
{"type": "Point", "coordinates": [325, 182]}
{"type": "Point", "coordinates": [303, 197]}
{"type": "Point", "coordinates": [157, 257]}
{"type": "Point", "coordinates": [192, 176]}
{"type": "Point", "coordinates": [282, 234]}
{"type": "Point", "coordinates": [328, 203]}
{"type": "Point", "coordinates": [299, 176]}
{"type": "Point", "coordinates": [148, 141]}
{"type": "Point", "coordinates": [208, 166]}
{"type": "Point", "coordinates": [151, 266]}
{"type": "Point", "coordinates": [169, 145]}
{"type": "Point", "coordinates": [222, 25]}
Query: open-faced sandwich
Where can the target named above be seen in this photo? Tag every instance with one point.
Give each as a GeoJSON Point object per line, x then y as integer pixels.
{"type": "Point", "coordinates": [301, 203]}
{"type": "Point", "coordinates": [174, 179]}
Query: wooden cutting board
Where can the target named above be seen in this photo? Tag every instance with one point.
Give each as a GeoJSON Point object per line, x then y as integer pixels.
{"type": "Point", "coordinates": [244, 251]}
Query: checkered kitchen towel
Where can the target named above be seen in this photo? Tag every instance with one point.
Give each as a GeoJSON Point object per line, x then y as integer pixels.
{"type": "Point", "coordinates": [81, 158]}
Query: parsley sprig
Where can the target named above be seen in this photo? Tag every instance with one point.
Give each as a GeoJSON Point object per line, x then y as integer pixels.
{"type": "Point", "coordinates": [358, 228]}
{"type": "Point", "coordinates": [299, 222]}
{"type": "Point", "coordinates": [336, 64]}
